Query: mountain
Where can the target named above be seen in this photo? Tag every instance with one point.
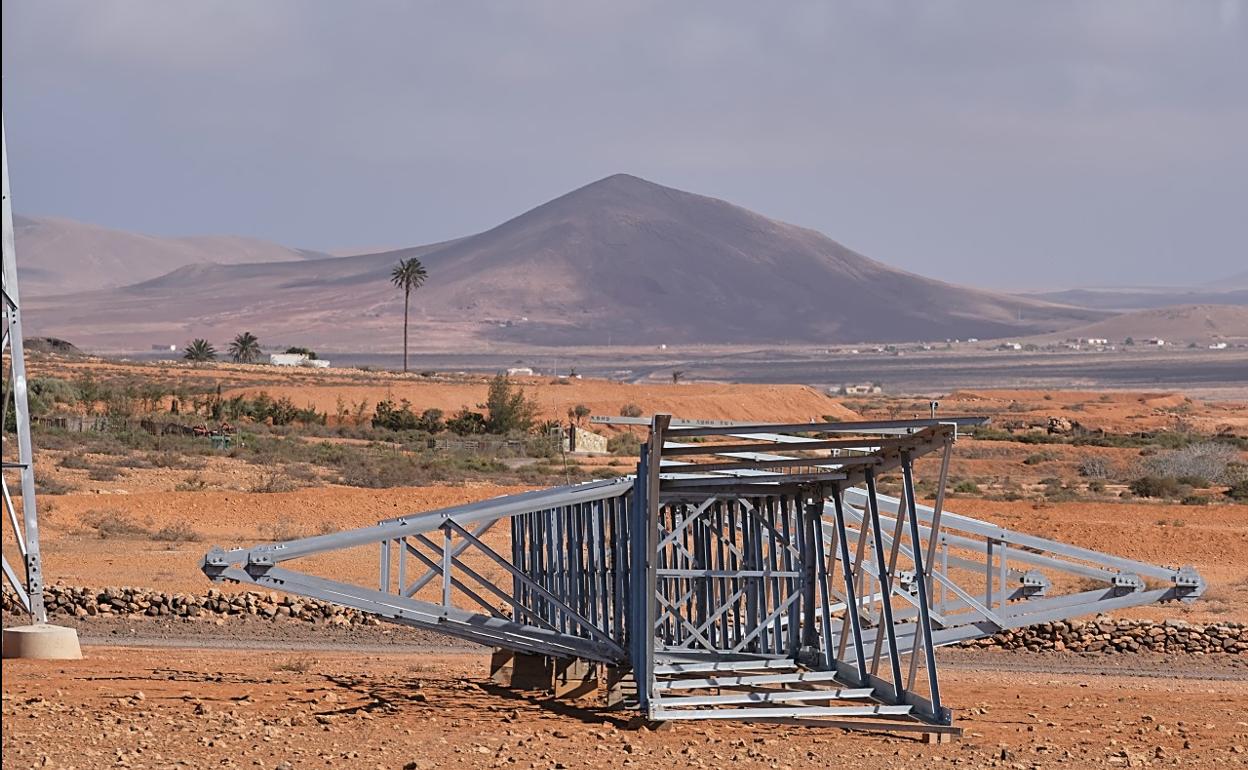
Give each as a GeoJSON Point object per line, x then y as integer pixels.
{"type": "Point", "coordinates": [1232, 291]}
{"type": "Point", "coordinates": [59, 256]}
{"type": "Point", "coordinates": [1184, 324]}
{"type": "Point", "coordinates": [620, 261]}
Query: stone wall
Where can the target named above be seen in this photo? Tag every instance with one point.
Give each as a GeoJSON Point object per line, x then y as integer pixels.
{"type": "Point", "coordinates": [1103, 635]}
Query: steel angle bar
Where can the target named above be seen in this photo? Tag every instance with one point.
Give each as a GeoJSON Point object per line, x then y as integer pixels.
{"type": "Point", "coordinates": [475, 627]}
{"type": "Point", "coordinates": [16, 584]}
{"type": "Point", "coordinates": [539, 589]}
{"type": "Point", "coordinates": [763, 696]}
{"type": "Point", "coordinates": [677, 431]}
{"type": "Point", "coordinates": [272, 553]}
{"type": "Point", "coordinates": [991, 531]}
{"type": "Point", "coordinates": [433, 572]}
{"type": "Point", "coordinates": [665, 714]}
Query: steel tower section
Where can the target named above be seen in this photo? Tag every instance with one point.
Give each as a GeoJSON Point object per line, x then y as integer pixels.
{"type": "Point", "coordinates": [749, 572]}
{"type": "Point", "coordinates": [29, 584]}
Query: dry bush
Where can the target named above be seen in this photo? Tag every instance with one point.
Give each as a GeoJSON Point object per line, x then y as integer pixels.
{"type": "Point", "coordinates": [179, 532]}
{"type": "Point", "coordinates": [272, 481]}
{"type": "Point", "coordinates": [300, 664]}
{"type": "Point", "coordinates": [192, 483]}
{"type": "Point", "coordinates": [109, 523]}
{"type": "Point", "coordinates": [75, 461]}
{"type": "Point", "coordinates": [104, 473]}
{"type": "Point", "coordinates": [1209, 460]}
{"type": "Point", "coordinates": [282, 530]}
{"type": "Point", "coordinates": [1095, 467]}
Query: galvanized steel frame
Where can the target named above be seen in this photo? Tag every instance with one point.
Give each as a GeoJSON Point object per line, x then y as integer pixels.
{"type": "Point", "coordinates": [789, 578]}
{"type": "Point", "coordinates": [27, 585]}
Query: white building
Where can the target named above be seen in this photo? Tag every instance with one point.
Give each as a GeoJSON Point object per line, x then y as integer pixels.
{"type": "Point", "coordinates": [1218, 346]}
{"type": "Point", "coordinates": [297, 359]}
{"type": "Point", "coordinates": [520, 371]}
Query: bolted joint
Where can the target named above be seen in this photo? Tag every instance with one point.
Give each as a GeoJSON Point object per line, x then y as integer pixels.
{"type": "Point", "coordinates": [1033, 583]}
{"type": "Point", "coordinates": [1188, 583]}
{"type": "Point", "coordinates": [1127, 581]}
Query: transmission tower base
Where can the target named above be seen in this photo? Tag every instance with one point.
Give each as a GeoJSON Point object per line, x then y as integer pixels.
{"type": "Point", "coordinates": [41, 642]}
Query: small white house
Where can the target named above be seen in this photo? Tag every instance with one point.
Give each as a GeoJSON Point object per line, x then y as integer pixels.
{"type": "Point", "coordinates": [1011, 346]}
{"type": "Point", "coordinates": [1155, 342]}
{"type": "Point", "coordinates": [297, 359]}
{"type": "Point", "coordinates": [1094, 341]}
{"type": "Point", "coordinates": [520, 371]}
{"type": "Point", "coordinates": [1218, 346]}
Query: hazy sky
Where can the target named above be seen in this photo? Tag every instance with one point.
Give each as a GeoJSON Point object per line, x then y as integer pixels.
{"type": "Point", "coordinates": [1003, 144]}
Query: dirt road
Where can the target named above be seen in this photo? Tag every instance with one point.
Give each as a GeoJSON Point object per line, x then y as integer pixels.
{"type": "Point", "coordinates": [145, 708]}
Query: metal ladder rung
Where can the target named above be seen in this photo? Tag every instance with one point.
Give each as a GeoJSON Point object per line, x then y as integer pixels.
{"type": "Point", "coordinates": [725, 665]}
{"type": "Point", "coordinates": [662, 714]}
{"type": "Point", "coordinates": [775, 696]}
{"type": "Point", "coordinates": [747, 681]}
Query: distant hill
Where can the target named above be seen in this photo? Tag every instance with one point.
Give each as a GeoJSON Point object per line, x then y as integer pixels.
{"type": "Point", "coordinates": [620, 261]}
{"type": "Point", "coordinates": [1182, 324]}
{"type": "Point", "coordinates": [59, 256]}
{"type": "Point", "coordinates": [1233, 291]}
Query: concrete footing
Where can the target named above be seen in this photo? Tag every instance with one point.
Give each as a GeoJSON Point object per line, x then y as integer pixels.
{"type": "Point", "coordinates": [41, 641]}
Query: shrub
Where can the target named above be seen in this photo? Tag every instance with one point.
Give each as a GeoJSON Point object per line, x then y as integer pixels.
{"type": "Point", "coordinates": [192, 483]}
{"type": "Point", "coordinates": [630, 410]}
{"type": "Point", "coordinates": [1156, 486]}
{"type": "Point", "coordinates": [1096, 486]}
{"type": "Point", "coordinates": [1238, 491]}
{"type": "Point", "coordinates": [1206, 460]}
{"type": "Point", "coordinates": [272, 481]}
{"type": "Point", "coordinates": [431, 421]}
{"type": "Point", "coordinates": [179, 532]}
{"type": "Point", "coordinates": [391, 418]}
{"type": "Point", "coordinates": [113, 523]}
{"type": "Point", "coordinates": [466, 423]}
{"type": "Point", "coordinates": [510, 410]}
{"type": "Point", "coordinates": [104, 473]}
{"type": "Point", "coordinates": [967, 487]}
{"type": "Point", "coordinates": [1037, 458]}
{"type": "Point", "coordinates": [624, 444]}
{"type": "Point", "coordinates": [49, 485]}
{"type": "Point", "coordinates": [1194, 500]}
{"type": "Point", "coordinates": [75, 461]}
{"type": "Point", "coordinates": [1094, 467]}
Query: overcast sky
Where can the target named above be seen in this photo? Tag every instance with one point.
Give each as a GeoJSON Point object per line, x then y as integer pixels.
{"type": "Point", "coordinates": [1001, 144]}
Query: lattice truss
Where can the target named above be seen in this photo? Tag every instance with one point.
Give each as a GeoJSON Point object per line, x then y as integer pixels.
{"type": "Point", "coordinates": [21, 530]}
{"type": "Point", "coordinates": [727, 579]}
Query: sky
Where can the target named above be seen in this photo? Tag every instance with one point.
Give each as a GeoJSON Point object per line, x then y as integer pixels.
{"type": "Point", "coordinates": [1002, 144]}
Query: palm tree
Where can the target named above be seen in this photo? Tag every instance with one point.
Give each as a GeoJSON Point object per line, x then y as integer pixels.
{"type": "Point", "coordinates": [200, 350]}
{"type": "Point", "coordinates": [409, 275]}
{"type": "Point", "coordinates": [245, 349]}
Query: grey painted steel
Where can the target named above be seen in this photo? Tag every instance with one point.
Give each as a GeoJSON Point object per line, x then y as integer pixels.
{"type": "Point", "coordinates": [28, 585]}
{"type": "Point", "coordinates": [733, 582]}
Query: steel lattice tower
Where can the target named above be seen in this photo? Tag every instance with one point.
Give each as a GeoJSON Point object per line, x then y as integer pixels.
{"type": "Point", "coordinates": [28, 587]}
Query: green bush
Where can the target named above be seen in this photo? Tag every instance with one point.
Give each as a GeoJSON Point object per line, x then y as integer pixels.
{"type": "Point", "coordinates": [966, 487]}
{"type": "Point", "coordinates": [1156, 486]}
{"type": "Point", "coordinates": [630, 410]}
{"type": "Point", "coordinates": [1194, 500]}
{"type": "Point", "coordinates": [395, 418]}
{"type": "Point", "coordinates": [1238, 491]}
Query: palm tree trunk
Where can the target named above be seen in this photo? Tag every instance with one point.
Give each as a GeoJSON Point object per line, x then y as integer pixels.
{"type": "Point", "coordinates": [406, 295]}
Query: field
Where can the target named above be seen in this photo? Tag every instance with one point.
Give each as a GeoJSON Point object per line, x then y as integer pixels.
{"type": "Point", "coordinates": [122, 507]}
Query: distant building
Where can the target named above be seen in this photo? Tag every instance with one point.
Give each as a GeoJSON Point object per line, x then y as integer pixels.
{"type": "Point", "coordinates": [1010, 346]}
{"type": "Point", "coordinates": [165, 348]}
{"type": "Point", "coordinates": [866, 389]}
{"type": "Point", "coordinates": [1094, 341]}
{"type": "Point", "coordinates": [1218, 346]}
{"type": "Point", "coordinates": [1155, 342]}
{"type": "Point", "coordinates": [297, 359]}
{"type": "Point", "coordinates": [520, 371]}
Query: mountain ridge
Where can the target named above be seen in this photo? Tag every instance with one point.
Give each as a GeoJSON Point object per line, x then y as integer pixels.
{"type": "Point", "coordinates": [621, 259]}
